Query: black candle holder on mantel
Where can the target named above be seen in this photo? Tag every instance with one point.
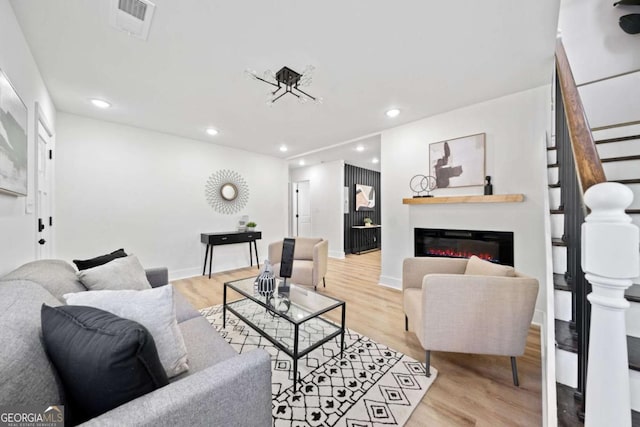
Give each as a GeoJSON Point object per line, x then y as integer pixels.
{"type": "Point", "coordinates": [488, 187]}
{"type": "Point", "coordinates": [422, 183]}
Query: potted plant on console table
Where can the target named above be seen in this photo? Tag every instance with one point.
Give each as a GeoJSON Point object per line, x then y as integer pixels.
{"type": "Point", "coordinates": [368, 222]}
{"type": "Point", "coordinates": [251, 226]}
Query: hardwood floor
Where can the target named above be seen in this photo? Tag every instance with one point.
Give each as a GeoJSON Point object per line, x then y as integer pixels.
{"type": "Point", "coordinates": [469, 390]}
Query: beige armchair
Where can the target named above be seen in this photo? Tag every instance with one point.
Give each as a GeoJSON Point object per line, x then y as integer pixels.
{"type": "Point", "coordinates": [310, 259]}
{"type": "Point", "coordinates": [468, 313]}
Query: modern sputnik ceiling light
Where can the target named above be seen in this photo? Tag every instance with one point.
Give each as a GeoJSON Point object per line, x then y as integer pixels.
{"type": "Point", "coordinates": [286, 81]}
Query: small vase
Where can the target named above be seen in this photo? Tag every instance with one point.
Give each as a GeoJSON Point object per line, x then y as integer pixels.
{"type": "Point", "coordinates": [266, 281]}
{"type": "Point", "coordinates": [251, 229]}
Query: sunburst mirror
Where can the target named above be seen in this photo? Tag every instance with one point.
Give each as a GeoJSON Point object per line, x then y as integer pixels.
{"type": "Point", "coordinates": [226, 191]}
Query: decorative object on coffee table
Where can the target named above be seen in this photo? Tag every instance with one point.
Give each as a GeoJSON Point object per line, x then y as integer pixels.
{"type": "Point", "coordinates": [13, 140]}
{"type": "Point", "coordinates": [488, 187]}
{"type": "Point", "coordinates": [266, 281]}
{"type": "Point", "coordinates": [286, 261]}
{"type": "Point", "coordinates": [290, 318]}
{"type": "Point", "coordinates": [458, 162]}
{"type": "Point", "coordinates": [226, 191]}
{"type": "Point", "coordinates": [422, 183]}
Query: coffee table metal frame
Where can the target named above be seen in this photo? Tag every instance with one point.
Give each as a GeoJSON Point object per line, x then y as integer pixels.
{"type": "Point", "coordinates": [295, 354]}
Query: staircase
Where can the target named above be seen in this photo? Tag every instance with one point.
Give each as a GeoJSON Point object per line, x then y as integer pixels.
{"type": "Point", "coordinates": [617, 155]}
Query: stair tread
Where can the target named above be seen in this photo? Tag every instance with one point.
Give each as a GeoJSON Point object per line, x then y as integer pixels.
{"type": "Point", "coordinates": [558, 242]}
{"type": "Point", "coordinates": [633, 293]}
{"type": "Point", "coordinates": [618, 139]}
{"type": "Point", "coordinates": [553, 165]}
{"type": "Point", "coordinates": [633, 346]}
{"type": "Point", "coordinates": [556, 185]}
{"type": "Point", "coordinates": [568, 407]}
{"type": "Point", "coordinates": [620, 159]}
{"type": "Point", "coordinates": [552, 148]}
{"type": "Point", "coordinates": [627, 181]}
{"type": "Point", "coordinates": [560, 283]}
{"type": "Point", "coordinates": [566, 341]}
{"type": "Point", "coordinates": [561, 211]}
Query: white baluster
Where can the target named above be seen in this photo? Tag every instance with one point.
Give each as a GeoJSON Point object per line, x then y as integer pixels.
{"type": "Point", "coordinates": [610, 244]}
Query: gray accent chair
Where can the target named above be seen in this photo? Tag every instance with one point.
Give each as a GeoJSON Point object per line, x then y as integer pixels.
{"type": "Point", "coordinates": [221, 387]}
{"type": "Point", "coordinates": [310, 260]}
{"type": "Point", "coordinates": [454, 312]}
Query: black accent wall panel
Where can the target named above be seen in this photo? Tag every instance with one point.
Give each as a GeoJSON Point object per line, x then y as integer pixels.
{"type": "Point", "coordinates": [361, 240]}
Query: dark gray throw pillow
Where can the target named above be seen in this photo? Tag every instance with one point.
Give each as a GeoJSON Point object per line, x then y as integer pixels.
{"type": "Point", "coordinates": [84, 264]}
{"type": "Point", "coordinates": [103, 360]}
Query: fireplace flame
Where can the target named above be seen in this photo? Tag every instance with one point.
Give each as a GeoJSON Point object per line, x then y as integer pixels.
{"type": "Point", "coordinates": [452, 253]}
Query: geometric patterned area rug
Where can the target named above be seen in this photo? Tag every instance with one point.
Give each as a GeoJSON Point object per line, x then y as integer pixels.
{"type": "Point", "coordinates": [370, 386]}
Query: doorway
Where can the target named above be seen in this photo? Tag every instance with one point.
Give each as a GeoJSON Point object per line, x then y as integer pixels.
{"type": "Point", "coordinates": [301, 209]}
{"type": "Point", "coordinates": [44, 174]}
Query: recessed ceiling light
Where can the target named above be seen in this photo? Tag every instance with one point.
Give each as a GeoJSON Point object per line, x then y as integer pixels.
{"type": "Point", "coordinates": [212, 131]}
{"type": "Point", "coordinates": [100, 103]}
{"type": "Point", "coordinates": [360, 148]}
{"type": "Point", "coordinates": [393, 112]}
{"type": "Point", "coordinates": [301, 162]}
{"type": "Point", "coordinates": [283, 148]}
{"type": "Point", "coordinates": [375, 160]}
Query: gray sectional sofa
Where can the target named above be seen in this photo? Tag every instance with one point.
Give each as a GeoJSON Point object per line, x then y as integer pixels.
{"type": "Point", "coordinates": [221, 388]}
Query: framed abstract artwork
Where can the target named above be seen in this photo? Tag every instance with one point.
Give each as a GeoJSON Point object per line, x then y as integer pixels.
{"type": "Point", "coordinates": [365, 198]}
{"type": "Point", "coordinates": [458, 162]}
{"type": "Point", "coordinates": [13, 140]}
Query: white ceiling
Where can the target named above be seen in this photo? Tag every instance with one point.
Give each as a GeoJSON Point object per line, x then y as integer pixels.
{"type": "Point", "coordinates": [349, 152]}
{"type": "Point", "coordinates": [424, 57]}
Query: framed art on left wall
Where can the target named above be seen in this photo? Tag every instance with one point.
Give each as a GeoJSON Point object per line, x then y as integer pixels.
{"type": "Point", "coordinates": [13, 140]}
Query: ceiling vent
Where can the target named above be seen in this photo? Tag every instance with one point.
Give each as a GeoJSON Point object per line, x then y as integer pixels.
{"type": "Point", "coordinates": [132, 16]}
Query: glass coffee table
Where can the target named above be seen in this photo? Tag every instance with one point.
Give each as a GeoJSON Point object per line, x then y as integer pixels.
{"type": "Point", "coordinates": [291, 318]}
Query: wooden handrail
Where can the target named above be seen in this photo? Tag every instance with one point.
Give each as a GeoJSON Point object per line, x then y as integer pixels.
{"type": "Point", "coordinates": [588, 165]}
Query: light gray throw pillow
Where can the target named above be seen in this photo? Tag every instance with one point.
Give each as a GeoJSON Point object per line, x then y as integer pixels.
{"type": "Point", "coordinates": [121, 273]}
{"type": "Point", "coordinates": [154, 309]}
{"type": "Point", "coordinates": [480, 267]}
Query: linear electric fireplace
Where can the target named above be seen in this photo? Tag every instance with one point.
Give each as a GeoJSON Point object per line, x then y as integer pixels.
{"type": "Point", "coordinates": [494, 246]}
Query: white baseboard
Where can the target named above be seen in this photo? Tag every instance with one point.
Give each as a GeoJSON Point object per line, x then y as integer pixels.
{"type": "Point", "coordinates": [185, 273]}
{"type": "Point", "coordinates": [336, 254]}
{"type": "Point", "coordinates": [390, 282]}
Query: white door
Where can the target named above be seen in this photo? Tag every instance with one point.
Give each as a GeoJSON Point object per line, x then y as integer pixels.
{"type": "Point", "coordinates": [44, 215]}
{"type": "Point", "coordinates": [302, 209]}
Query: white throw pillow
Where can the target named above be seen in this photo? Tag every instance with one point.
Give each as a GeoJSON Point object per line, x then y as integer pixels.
{"type": "Point", "coordinates": [154, 309]}
{"type": "Point", "coordinates": [121, 273]}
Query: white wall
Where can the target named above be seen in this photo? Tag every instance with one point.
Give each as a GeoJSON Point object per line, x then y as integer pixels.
{"type": "Point", "coordinates": [515, 128]}
{"type": "Point", "coordinates": [120, 186]}
{"type": "Point", "coordinates": [18, 228]}
{"type": "Point", "coordinates": [327, 191]}
{"type": "Point", "coordinates": [596, 45]}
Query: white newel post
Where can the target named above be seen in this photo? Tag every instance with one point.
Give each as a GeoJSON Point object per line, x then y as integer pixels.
{"type": "Point", "coordinates": [610, 245]}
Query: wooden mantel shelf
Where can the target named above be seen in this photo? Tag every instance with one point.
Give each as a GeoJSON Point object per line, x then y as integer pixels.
{"type": "Point", "coordinates": [495, 198]}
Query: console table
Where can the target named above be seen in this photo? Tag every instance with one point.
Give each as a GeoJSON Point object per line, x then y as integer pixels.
{"type": "Point", "coordinates": [369, 237]}
{"type": "Point", "coordinates": [228, 238]}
